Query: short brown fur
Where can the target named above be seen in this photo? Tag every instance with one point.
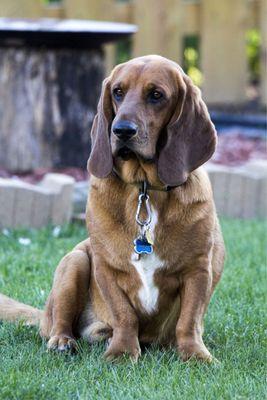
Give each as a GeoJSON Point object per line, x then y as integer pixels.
{"type": "Point", "coordinates": [95, 290]}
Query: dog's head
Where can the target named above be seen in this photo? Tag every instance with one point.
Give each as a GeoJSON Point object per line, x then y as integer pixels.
{"type": "Point", "coordinates": [150, 112]}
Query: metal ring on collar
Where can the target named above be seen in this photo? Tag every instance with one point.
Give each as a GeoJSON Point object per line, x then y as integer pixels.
{"type": "Point", "coordinates": [143, 197]}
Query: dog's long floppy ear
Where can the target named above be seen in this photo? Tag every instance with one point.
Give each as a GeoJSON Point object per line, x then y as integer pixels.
{"type": "Point", "coordinates": [191, 136]}
{"type": "Point", "coordinates": [100, 162]}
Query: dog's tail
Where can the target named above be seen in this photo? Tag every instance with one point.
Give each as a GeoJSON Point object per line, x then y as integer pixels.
{"type": "Point", "coordinates": [12, 310]}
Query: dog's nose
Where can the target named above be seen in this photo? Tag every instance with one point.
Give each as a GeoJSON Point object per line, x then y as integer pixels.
{"type": "Point", "coordinates": [125, 129]}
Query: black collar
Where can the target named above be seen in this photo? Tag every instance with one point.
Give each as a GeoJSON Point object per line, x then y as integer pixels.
{"type": "Point", "coordinates": [144, 186]}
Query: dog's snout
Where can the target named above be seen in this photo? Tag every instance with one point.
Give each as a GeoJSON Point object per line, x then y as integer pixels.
{"type": "Point", "coordinates": [124, 130]}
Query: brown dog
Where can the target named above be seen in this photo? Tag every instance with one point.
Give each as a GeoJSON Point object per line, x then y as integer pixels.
{"type": "Point", "coordinates": [151, 126]}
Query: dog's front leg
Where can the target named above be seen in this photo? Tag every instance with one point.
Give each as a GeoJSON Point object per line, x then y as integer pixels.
{"type": "Point", "coordinates": [195, 296]}
{"type": "Point", "coordinates": [124, 320]}
{"type": "Point", "coordinates": [67, 299]}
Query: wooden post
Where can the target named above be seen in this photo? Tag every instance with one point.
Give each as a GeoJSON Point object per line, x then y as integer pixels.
{"type": "Point", "coordinates": [47, 104]}
{"type": "Point", "coordinates": [224, 62]}
{"type": "Point", "coordinates": [159, 31]}
{"type": "Point", "coordinates": [50, 80]}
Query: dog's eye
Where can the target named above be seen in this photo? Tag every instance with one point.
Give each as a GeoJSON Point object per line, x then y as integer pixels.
{"type": "Point", "coordinates": [118, 94]}
{"type": "Point", "coordinates": [155, 96]}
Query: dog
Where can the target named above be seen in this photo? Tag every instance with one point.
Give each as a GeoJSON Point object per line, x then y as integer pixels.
{"type": "Point", "coordinates": [155, 251]}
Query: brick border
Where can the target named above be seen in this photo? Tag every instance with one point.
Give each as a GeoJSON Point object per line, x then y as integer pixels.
{"type": "Point", "coordinates": [32, 206]}
{"type": "Point", "coordinates": [240, 192]}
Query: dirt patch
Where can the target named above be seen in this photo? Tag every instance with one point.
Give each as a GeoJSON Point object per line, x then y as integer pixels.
{"type": "Point", "coordinates": [235, 149]}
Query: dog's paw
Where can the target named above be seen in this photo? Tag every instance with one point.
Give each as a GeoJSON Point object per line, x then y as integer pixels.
{"type": "Point", "coordinates": [118, 348]}
{"type": "Point", "coordinates": [190, 349]}
{"type": "Point", "coordinates": [62, 343]}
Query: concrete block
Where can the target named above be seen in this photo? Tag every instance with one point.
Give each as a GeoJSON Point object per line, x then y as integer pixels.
{"type": "Point", "coordinates": [220, 178]}
{"type": "Point", "coordinates": [240, 192]}
{"type": "Point", "coordinates": [80, 195]}
{"type": "Point", "coordinates": [61, 186]}
{"type": "Point", "coordinates": [250, 197]}
{"type": "Point", "coordinates": [254, 189]}
{"type": "Point", "coordinates": [21, 197]}
{"type": "Point", "coordinates": [25, 205]}
{"type": "Point", "coordinates": [234, 206]}
{"type": "Point", "coordinates": [7, 200]}
{"type": "Point", "coordinates": [42, 204]}
{"type": "Point", "coordinates": [262, 203]}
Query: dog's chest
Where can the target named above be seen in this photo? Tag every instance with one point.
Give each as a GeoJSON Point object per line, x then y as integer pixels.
{"type": "Point", "coordinates": [146, 267]}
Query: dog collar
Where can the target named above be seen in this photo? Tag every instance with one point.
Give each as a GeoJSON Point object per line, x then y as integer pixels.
{"type": "Point", "coordinates": [157, 188]}
{"type": "Point", "coordinates": [148, 186]}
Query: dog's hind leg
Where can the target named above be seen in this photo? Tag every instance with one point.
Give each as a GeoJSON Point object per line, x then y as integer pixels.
{"type": "Point", "coordinates": [67, 299]}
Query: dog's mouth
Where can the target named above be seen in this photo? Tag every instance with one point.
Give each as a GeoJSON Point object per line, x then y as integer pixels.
{"type": "Point", "coordinates": [125, 153]}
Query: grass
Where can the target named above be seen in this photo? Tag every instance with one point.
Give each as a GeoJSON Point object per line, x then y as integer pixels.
{"type": "Point", "coordinates": [234, 331]}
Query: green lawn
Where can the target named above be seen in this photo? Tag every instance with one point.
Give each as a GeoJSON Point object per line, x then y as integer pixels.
{"type": "Point", "coordinates": [234, 331]}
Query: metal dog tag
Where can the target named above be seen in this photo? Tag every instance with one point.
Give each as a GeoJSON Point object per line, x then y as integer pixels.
{"type": "Point", "coordinates": [149, 236]}
{"type": "Point", "coordinates": [142, 246]}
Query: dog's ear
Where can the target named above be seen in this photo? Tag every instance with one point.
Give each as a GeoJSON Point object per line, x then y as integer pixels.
{"type": "Point", "coordinates": [190, 136]}
{"type": "Point", "coordinates": [100, 162]}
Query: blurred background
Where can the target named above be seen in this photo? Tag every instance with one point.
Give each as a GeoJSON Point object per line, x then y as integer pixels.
{"type": "Point", "coordinates": [54, 55]}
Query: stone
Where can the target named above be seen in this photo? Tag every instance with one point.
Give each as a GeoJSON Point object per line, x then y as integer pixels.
{"type": "Point", "coordinates": [61, 187]}
{"type": "Point", "coordinates": [80, 194]}
{"type": "Point", "coordinates": [7, 200]}
{"type": "Point", "coordinates": [220, 178]}
{"type": "Point", "coordinates": [250, 197]}
{"type": "Point", "coordinates": [234, 206]}
{"type": "Point", "coordinates": [262, 202]}
{"type": "Point", "coordinates": [23, 205]}
{"type": "Point", "coordinates": [240, 192]}
{"type": "Point", "coordinates": [41, 208]}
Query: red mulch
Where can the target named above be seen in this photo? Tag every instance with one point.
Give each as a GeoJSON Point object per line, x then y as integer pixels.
{"type": "Point", "coordinates": [233, 149]}
{"type": "Point", "coordinates": [37, 175]}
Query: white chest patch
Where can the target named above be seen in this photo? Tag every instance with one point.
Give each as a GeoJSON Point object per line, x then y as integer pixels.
{"type": "Point", "coordinates": [146, 267]}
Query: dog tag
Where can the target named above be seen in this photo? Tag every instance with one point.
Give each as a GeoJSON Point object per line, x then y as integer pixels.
{"type": "Point", "coordinates": [142, 246]}
{"type": "Point", "coordinates": [149, 237]}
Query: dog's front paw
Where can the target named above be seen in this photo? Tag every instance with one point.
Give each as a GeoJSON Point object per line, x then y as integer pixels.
{"type": "Point", "coordinates": [62, 343]}
{"type": "Point", "coordinates": [190, 349]}
{"type": "Point", "coordinates": [119, 346]}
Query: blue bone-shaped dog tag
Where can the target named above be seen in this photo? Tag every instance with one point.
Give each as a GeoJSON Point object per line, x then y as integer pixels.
{"type": "Point", "coordinates": [141, 246]}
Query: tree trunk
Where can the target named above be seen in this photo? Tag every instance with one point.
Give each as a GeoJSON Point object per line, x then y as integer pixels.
{"type": "Point", "coordinates": [48, 99]}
